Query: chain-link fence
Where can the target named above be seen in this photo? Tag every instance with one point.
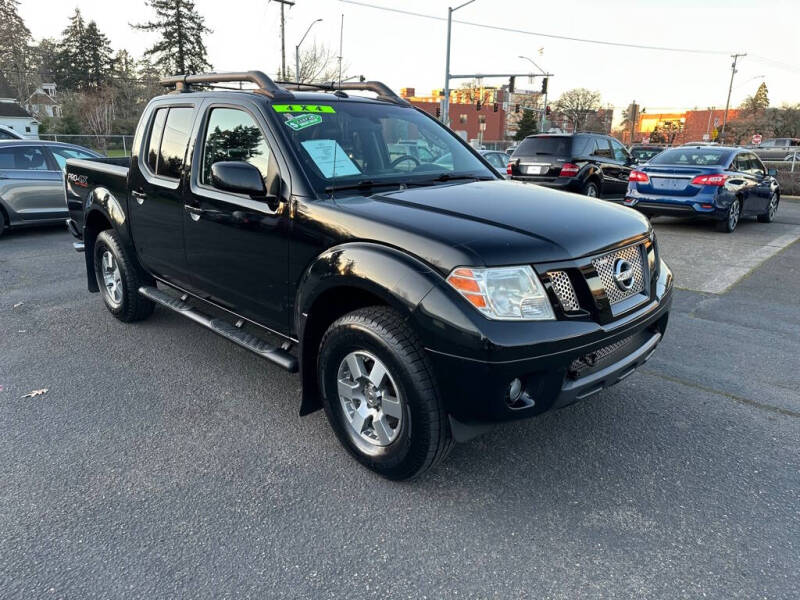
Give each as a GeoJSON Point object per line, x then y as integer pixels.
{"type": "Point", "coordinates": [109, 145]}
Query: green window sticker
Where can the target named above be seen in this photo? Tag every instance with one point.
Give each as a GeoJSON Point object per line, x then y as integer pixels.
{"type": "Point", "coordinates": [302, 108]}
{"type": "Point", "coordinates": [302, 121]}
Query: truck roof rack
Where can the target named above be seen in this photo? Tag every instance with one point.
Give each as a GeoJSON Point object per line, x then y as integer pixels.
{"type": "Point", "coordinates": [383, 91]}
{"type": "Point", "coordinates": [265, 85]}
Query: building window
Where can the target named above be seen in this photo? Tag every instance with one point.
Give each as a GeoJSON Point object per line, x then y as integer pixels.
{"type": "Point", "coordinates": [27, 129]}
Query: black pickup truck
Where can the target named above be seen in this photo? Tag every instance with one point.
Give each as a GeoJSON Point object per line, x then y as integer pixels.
{"type": "Point", "coordinates": [421, 297]}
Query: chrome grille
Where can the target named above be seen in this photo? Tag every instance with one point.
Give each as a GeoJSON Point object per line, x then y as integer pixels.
{"type": "Point", "coordinates": [604, 265]}
{"type": "Point", "coordinates": [564, 291]}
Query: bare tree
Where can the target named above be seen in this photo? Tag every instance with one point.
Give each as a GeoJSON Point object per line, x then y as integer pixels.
{"type": "Point", "coordinates": [98, 110]}
{"type": "Point", "coordinates": [577, 105]}
{"type": "Point", "coordinates": [318, 63]}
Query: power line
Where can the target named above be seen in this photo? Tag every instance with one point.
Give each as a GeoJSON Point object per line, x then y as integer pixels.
{"type": "Point", "coordinates": [539, 34]}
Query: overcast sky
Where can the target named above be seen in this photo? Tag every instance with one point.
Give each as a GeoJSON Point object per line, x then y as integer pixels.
{"type": "Point", "coordinates": [408, 51]}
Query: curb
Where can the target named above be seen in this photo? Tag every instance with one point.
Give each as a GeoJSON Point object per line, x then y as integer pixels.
{"type": "Point", "coordinates": [791, 198]}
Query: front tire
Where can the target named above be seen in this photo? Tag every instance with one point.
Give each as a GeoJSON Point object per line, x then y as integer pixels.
{"type": "Point", "coordinates": [769, 216]}
{"type": "Point", "coordinates": [731, 220]}
{"type": "Point", "coordinates": [380, 395]}
{"type": "Point", "coordinates": [119, 279]}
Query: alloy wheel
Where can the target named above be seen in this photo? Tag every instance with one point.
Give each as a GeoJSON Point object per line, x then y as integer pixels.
{"type": "Point", "coordinates": [773, 206]}
{"type": "Point", "coordinates": [112, 279]}
{"type": "Point", "coordinates": [733, 214]}
{"type": "Point", "coordinates": [370, 400]}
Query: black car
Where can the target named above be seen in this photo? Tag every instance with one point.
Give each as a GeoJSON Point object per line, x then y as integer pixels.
{"type": "Point", "coordinates": [641, 153]}
{"type": "Point", "coordinates": [419, 298]}
{"type": "Point", "coordinates": [585, 163]}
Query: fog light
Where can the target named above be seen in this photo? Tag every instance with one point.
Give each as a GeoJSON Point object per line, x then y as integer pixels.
{"type": "Point", "coordinates": [517, 397]}
{"type": "Point", "coordinates": [514, 391]}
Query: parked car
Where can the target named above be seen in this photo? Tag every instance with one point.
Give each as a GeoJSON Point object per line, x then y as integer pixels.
{"type": "Point", "coordinates": [641, 153]}
{"type": "Point", "coordinates": [719, 183]}
{"type": "Point", "coordinates": [792, 156]}
{"type": "Point", "coordinates": [6, 133]}
{"type": "Point", "coordinates": [496, 158]}
{"type": "Point", "coordinates": [418, 306]}
{"type": "Point", "coordinates": [585, 163]}
{"type": "Point", "coordinates": [777, 148]}
{"type": "Point", "coordinates": [510, 150]}
{"type": "Point", "coordinates": [32, 181]}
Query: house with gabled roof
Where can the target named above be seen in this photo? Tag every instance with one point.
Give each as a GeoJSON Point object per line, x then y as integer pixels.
{"type": "Point", "coordinates": [14, 116]}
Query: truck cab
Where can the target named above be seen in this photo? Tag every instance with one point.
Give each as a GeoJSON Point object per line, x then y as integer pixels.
{"type": "Point", "coordinates": [420, 296]}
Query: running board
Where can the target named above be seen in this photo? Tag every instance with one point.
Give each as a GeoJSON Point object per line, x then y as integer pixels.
{"type": "Point", "coordinates": [274, 354]}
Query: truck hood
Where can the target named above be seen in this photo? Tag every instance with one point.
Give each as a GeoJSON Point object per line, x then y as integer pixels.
{"type": "Point", "coordinates": [496, 222]}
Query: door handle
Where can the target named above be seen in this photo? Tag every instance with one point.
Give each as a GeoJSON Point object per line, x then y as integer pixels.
{"type": "Point", "coordinates": [194, 212]}
{"type": "Point", "coordinates": [140, 196]}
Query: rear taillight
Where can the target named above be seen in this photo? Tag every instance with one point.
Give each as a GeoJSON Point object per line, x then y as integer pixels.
{"type": "Point", "coordinates": [569, 170]}
{"type": "Point", "coordinates": [508, 169]}
{"type": "Point", "coordinates": [639, 176]}
{"type": "Point", "coordinates": [710, 180]}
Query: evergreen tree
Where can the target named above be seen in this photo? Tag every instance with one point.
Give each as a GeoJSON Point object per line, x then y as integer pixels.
{"type": "Point", "coordinates": [181, 48]}
{"type": "Point", "coordinates": [528, 124]}
{"type": "Point", "coordinates": [758, 101]}
{"type": "Point", "coordinates": [98, 56]}
{"type": "Point", "coordinates": [15, 55]}
{"type": "Point", "coordinates": [72, 64]}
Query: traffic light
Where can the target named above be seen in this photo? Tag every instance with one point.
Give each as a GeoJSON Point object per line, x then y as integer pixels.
{"type": "Point", "coordinates": [547, 111]}
{"type": "Point", "coordinates": [544, 85]}
{"type": "Point", "coordinates": [511, 84]}
{"type": "Point", "coordinates": [516, 108]}
{"type": "Point", "coordinates": [478, 105]}
{"type": "Point", "coordinates": [494, 107]}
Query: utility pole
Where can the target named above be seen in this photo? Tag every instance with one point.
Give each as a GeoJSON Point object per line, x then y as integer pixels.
{"type": "Point", "coordinates": [283, 37]}
{"type": "Point", "coordinates": [341, 38]}
{"type": "Point", "coordinates": [446, 99]}
{"type": "Point", "coordinates": [735, 58]}
{"type": "Point", "coordinates": [634, 110]}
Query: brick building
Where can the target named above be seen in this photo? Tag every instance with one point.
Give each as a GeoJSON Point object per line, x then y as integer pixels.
{"type": "Point", "coordinates": [695, 125]}
{"type": "Point", "coordinates": [466, 120]}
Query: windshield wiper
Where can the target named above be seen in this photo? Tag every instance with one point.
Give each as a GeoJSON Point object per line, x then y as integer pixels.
{"type": "Point", "coordinates": [364, 184]}
{"type": "Point", "coordinates": [449, 177]}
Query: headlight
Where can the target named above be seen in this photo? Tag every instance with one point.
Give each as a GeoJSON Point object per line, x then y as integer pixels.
{"type": "Point", "coordinates": [503, 293]}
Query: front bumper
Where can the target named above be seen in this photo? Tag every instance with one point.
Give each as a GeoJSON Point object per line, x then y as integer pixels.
{"type": "Point", "coordinates": [570, 362]}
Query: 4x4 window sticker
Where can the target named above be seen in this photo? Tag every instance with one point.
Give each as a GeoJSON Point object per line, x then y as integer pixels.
{"type": "Point", "coordinates": [303, 108]}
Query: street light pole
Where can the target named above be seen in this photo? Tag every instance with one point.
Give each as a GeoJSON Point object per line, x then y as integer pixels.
{"type": "Point", "coordinates": [446, 99]}
{"type": "Point", "coordinates": [544, 106]}
{"type": "Point", "coordinates": [730, 89]}
{"type": "Point", "coordinates": [297, 52]}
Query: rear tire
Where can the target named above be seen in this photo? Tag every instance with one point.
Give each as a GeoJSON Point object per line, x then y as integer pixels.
{"type": "Point", "coordinates": [2, 223]}
{"type": "Point", "coordinates": [591, 189]}
{"type": "Point", "coordinates": [731, 220]}
{"type": "Point", "coordinates": [392, 422]}
{"type": "Point", "coordinates": [769, 216]}
{"type": "Point", "coordinates": [119, 278]}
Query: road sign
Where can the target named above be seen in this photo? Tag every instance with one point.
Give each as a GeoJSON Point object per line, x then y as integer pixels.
{"type": "Point", "coordinates": [706, 137]}
{"type": "Point", "coordinates": [756, 139]}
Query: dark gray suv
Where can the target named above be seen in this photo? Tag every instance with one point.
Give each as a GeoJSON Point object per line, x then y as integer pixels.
{"type": "Point", "coordinates": [32, 181]}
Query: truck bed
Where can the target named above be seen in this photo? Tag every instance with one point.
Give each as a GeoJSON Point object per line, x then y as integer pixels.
{"type": "Point", "coordinates": [85, 175]}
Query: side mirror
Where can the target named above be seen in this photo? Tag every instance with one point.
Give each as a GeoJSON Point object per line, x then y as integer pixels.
{"type": "Point", "coordinates": [238, 177]}
{"type": "Point", "coordinates": [772, 172]}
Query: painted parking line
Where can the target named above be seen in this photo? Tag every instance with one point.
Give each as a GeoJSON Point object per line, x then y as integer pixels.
{"type": "Point", "coordinates": [727, 276]}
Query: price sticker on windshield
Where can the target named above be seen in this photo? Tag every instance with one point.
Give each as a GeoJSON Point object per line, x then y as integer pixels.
{"type": "Point", "coordinates": [302, 121]}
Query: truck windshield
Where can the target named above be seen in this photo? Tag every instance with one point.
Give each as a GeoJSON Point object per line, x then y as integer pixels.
{"type": "Point", "coordinates": [360, 144]}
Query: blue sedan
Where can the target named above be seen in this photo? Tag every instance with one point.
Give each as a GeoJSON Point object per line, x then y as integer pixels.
{"type": "Point", "coordinates": [713, 182]}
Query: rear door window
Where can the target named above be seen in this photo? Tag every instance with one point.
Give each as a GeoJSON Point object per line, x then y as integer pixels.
{"type": "Point", "coordinates": [602, 148]}
{"type": "Point", "coordinates": [174, 141]}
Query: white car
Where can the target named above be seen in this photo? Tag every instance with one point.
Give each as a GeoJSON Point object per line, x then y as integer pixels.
{"type": "Point", "coordinates": [7, 133]}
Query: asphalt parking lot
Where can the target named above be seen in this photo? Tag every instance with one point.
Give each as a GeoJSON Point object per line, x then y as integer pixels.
{"type": "Point", "coordinates": [165, 462]}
